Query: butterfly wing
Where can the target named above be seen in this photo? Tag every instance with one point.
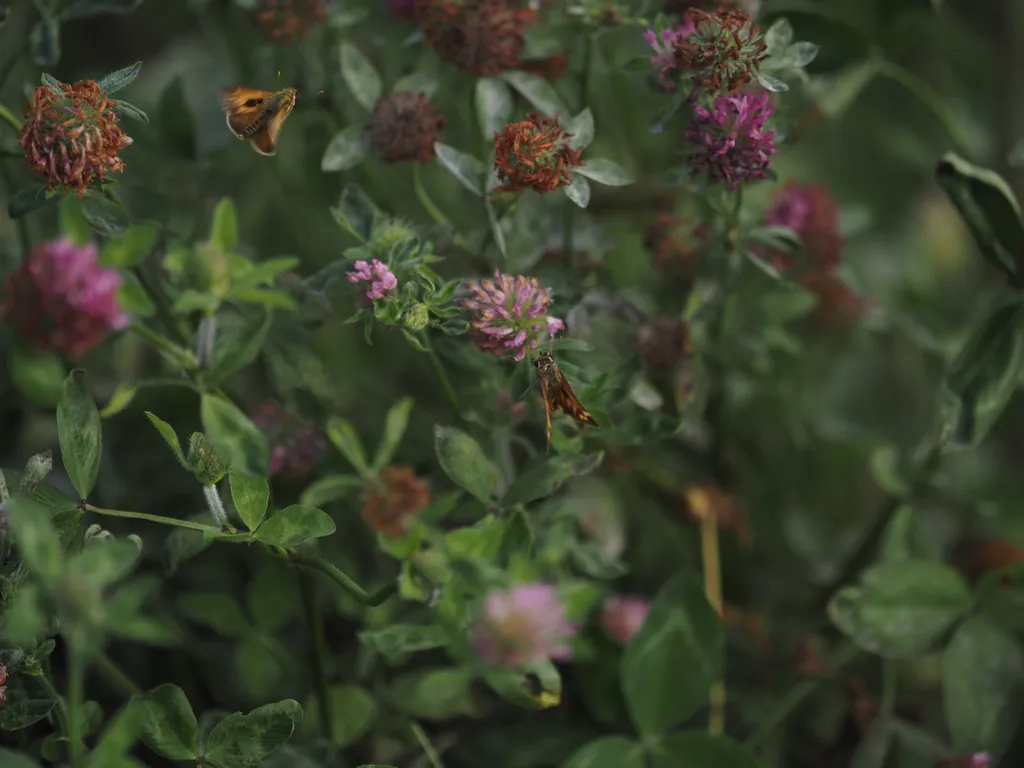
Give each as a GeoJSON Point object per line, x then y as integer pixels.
{"type": "Point", "coordinates": [566, 401]}
{"type": "Point", "coordinates": [548, 394]}
{"type": "Point", "coordinates": [264, 141]}
{"type": "Point", "coordinates": [244, 108]}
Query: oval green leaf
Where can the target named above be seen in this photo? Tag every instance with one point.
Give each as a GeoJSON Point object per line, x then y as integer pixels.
{"type": "Point", "coordinates": [294, 525]}
{"type": "Point", "coordinates": [79, 433]}
{"type": "Point", "coordinates": [238, 441]}
{"type": "Point", "coordinates": [463, 460]}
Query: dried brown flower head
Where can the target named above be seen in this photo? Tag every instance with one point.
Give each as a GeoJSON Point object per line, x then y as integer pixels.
{"type": "Point", "coordinates": [663, 342]}
{"type": "Point", "coordinates": [723, 52]}
{"type": "Point", "coordinates": [674, 243]}
{"type": "Point", "coordinates": [552, 69]}
{"type": "Point", "coordinates": [483, 38]}
{"type": "Point", "coordinates": [838, 304]}
{"type": "Point", "coordinates": [704, 500]}
{"type": "Point", "coordinates": [534, 153]}
{"type": "Point", "coordinates": [393, 499]}
{"type": "Point", "coordinates": [404, 126]}
{"type": "Point", "coordinates": [71, 136]}
{"type": "Point", "coordinates": [289, 20]}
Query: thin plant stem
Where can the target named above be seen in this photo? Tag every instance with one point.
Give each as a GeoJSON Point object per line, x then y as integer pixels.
{"type": "Point", "coordinates": [339, 577]}
{"type": "Point", "coordinates": [76, 699]}
{"type": "Point", "coordinates": [9, 117]}
{"type": "Point", "coordinates": [179, 355]}
{"type": "Point", "coordinates": [160, 519]}
{"type": "Point", "coordinates": [713, 590]}
{"type": "Point", "coordinates": [215, 505]}
{"type": "Point", "coordinates": [889, 680]}
{"type": "Point", "coordinates": [428, 748]}
{"type": "Point", "coordinates": [61, 706]}
{"type": "Point", "coordinates": [425, 200]}
{"type": "Point", "coordinates": [797, 695]}
{"type": "Point", "coordinates": [442, 375]}
{"type": "Point", "coordinates": [116, 676]}
{"type": "Point", "coordinates": [316, 627]}
{"type": "Point", "coordinates": [569, 232]}
{"type": "Point", "coordinates": [24, 238]}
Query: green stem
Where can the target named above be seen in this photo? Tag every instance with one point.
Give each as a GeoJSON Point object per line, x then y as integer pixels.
{"type": "Point", "coordinates": [24, 238]}
{"type": "Point", "coordinates": [428, 748]}
{"type": "Point", "coordinates": [61, 706]}
{"type": "Point", "coordinates": [928, 97]}
{"type": "Point", "coordinates": [160, 519]}
{"type": "Point", "coordinates": [442, 375]}
{"type": "Point", "coordinates": [568, 233]}
{"type": "Point", "coordinates": [797, 695]}
{"type": "Point", "coordinates": [179, 355]}
{"type": "Point", "coordinates": [889, 678]}
{"type": "Point", "coordinates": [316, 627]}
{"type": "Point", "coordinates": [425, 200]}
{"type": "Point", "coordinates": [117, 677]}
{"type": "Point", "coordinates": [76, 700]}
{"type": "Point", "coordinates": [340, 578]}
{"type": "Point", "coordinates": [11, 120]}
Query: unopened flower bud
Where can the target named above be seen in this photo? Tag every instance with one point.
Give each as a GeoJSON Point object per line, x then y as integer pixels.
{"type": "Point", "coordinates": [209, 269]}
{"type": "Point", "coordinates": [207, 466]}
{"type": "Point", "coordinates": [417, 318]}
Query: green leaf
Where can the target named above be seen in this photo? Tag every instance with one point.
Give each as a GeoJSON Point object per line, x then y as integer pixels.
{"type": "Point", "coordinates": [73, 224]}
{"type": "Point", "coordinates": [493, 105]}
{"type": "Point", "coordinates": [36, 537]}
{"type": "Point", "coordinates": [170, 437]}
{"type": "Point", "coordinates": [134, 299]}
{"type": "Point", "coordinates": [578, 191]}
{"type": "Point", "coordinates": [900, 609]}
{"type": "Point", "coordinates": [360, 76]}
{"type": "Point", "coordinates": [128, 110]}
{"type": "Point", "coordinates": [418, 81]}
{"type": "Point", "coordinates": [581, 128]}
{"type": "Point", "coordinates": [168, 725]}
{"type": "Point", "coordinates": [330, 488]}
{"type": "Point", "coordinates": [983, 377]}
{"type": "Point", "coordinates": [353, 712]}
{"type": "Point", "coordinates": [982, 686]}
{"type": "Point", "coordinates": [129, 248]}
{"type": "Point", "coordinates": [543, 476]}
{"type": "Point", "coordinates": [355, 212]}
{"type": "Point", "coordinates": [240, 344]}
{"type": "Point", "coordinates": [36, 468]}
{"type": "Point", "coordinates": [697, 749]}
{"type": "Point", "coordinates": [120, 78]}
{"type": "Point", "coordinates": [44, 42]}
{"type": "Point", "coordinates": [778, 37]}
{"type": "Point", "coordinates": [990, 210]}
{"type": "Point", "coordinates": [605, 172]}
{"type": "Point", "coordinates": [11, 759]}
{"type": "Point", "coordinates": [463, 460]}
{"type": "Point", "coordinates": [538, 91]}
{"type": "Point", "coordinates": [105, 216]}
{"type": "Point", "coordinates": [395, 424]}
{"type": "Point", "coordinates": [238, 441]}
{"type": "Point", "coordinates": [294, 525]}
{"type": "Point", "coordinates": [346, 150]}
{"type": "Point", "coordinates": [397, 640]}
{"type": "Point", "coordinates": [843, 89]}
{"type": "Point", "coordinates": [770, 83]}
{"type": "Point", "coordinates": [25, 623]}
{"type": "Point", "coordinates": [682, 631]}
{"type": "Point", "coordinates": [224, 233]}
{"type": "Point", "coordinates": [37, 375]}
{"type": "Point", "coordinates": [29, 199]}
{"type": "Point", "coordinates": [608, 752]}
{"type": "Point", "coordinates": [434, 694]}
{"type": "Point", "coordinates": [79, 433]}
{"type": "Point", "coordinates": [345, 438]}
{"type": "Point", "coordinates": [241, 741]}
{"type": "Point", "coordinates": [101, 562]}
{"type": "Point", "coordinates": [469, 171]}
{"type": "Point", "coordinates": [250, 496]}
{"type": "Point", "coordinates": [82, 9]}
{"type": "Point", "coordinates": [533, 686]}
{"type": "Point", "coordinates": [216, 610]}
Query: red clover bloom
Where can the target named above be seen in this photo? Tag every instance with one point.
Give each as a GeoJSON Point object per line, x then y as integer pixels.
{"type": "Point", "coordinates": [664, 45]}
{"type": "Point", "coordinates": [723, 52]}
{"type": "Point", "coordinates": [294, 446]}
{"type": "Point", "coordinates": [622, 617]}
{"type": "Point", "coordinates": [732, 144]}
{"type": "Point", "coordinates": [813, 215]}
{"type": "Point", "coordinates": [381, 279]}
{"type": "Point", "coordinates": [509, 314]}
{"type": "Point", "coordinates": [61, 299]}
{"type": "Point", "coordinates": [523, 625]}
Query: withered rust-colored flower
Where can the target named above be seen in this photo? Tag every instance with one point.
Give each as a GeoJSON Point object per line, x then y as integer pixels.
{"type": "Point", "coordinates": [723, 52]}
{"type": "Point", "coordinates": [289, 20]}
{"type": "Point", "coordinates": [393, 500]}
{"type": "Point", "coordinates": [552, 68]}
{"type": "Point", "coordinates": [663, 342]}
{"type": "Point", "coordinates": [709, 500]}
{"type": "Point", "coordinates": [483, 38]}
{"type": "Point", "coordinates": [534, 153]}
{"type": "Point", "coordinates": [838, 304]}
{"type": "Point", "coordinates": [71, 136]}
{"type": "Point", "coordinates": [675, 243]}
{"type": "Point", "coordinates": [810, 657]}
{"type": "Point", "coordinates": [810, 211]}
{"type": "Point", "coordinates": [404, 126]}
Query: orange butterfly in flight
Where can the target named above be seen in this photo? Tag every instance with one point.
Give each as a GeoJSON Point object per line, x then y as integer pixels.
{"type": "Point", "coordinates": [257, 116]}
{"type": "Point", "coordinates": [557, 394]}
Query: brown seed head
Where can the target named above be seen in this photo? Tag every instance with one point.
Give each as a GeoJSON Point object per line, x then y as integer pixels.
{"type": "Point", "coordinates": [534, 154]}
{"type": "Point", "coordinates": [393, 499]}
{"type": "Point", "coordinates": [482, 38]}
{"type": "Point", "coordinates": [289, 20]}
{"type": "Point", "coordinates": [663, 342]}
{"type": "Point", "coordinates": [404, 126]}
{"type": "Point", "coordinates": [723, 52]}
{"type": "Point", "coordinates": [71, 136]}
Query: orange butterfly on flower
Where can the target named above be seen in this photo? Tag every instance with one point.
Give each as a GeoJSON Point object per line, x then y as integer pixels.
{"type": "Point", "coordinates": [257, 116]}
{"type": "Point", "coordinates": [557, 395]}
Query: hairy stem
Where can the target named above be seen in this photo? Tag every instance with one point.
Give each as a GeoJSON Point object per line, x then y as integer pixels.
{"type": "Point", "coordinates": [117, 677]}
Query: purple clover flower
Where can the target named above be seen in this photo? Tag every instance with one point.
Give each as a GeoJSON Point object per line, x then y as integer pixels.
{"type": "Point", "coordinates": [509, 314]}
{"type": "Point", "coordinates": [664, 45]}
{"type": "Point", "coordinates": [61, 299]}
{"type": "Point", "coordinates": [382, 280]}
{"type": "Point", "coordinates": [294, 445]}
{"type": "Point", "coordinates": [732, 143]}
{"type": "Point", "coordinates": [403, 9]}
{"type": "Point", "coordinates": [981, 760]}
{"type": "Point", "coordinates": [523, 625]}
{"type": "Point", "coordinates": [622, 617]}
